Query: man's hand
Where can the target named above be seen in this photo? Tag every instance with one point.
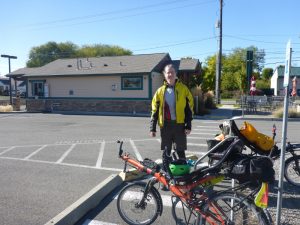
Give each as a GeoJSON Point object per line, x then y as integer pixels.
{"type": "Point", "coordinates": [152, 134]}
{"type": "Point", "coordinates": [187, 132]}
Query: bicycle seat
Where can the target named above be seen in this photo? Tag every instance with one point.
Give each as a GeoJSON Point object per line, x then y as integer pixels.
{"type": "Point", "coordinates": [235, 130]}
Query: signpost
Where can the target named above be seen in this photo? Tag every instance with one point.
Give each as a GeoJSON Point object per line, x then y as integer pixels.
{"type": "Point", "coordinates": [284, 128]}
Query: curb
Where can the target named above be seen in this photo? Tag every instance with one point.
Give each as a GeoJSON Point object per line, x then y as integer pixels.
{"type": "Point", "coordinates": [90, 200]}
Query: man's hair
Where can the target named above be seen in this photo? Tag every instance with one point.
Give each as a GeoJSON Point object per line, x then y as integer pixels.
{"type": "Point", "coordinates": [170, 65]}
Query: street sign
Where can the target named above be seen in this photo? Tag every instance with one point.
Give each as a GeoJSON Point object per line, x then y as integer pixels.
{"type": "Point", "coordinates": [287, 64]}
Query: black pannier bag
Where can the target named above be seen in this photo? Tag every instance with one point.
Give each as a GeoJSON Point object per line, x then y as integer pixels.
{"type": "Point", "coordinates": [252, 168]}
{"type": "Point", "coordinates": [261, 169]}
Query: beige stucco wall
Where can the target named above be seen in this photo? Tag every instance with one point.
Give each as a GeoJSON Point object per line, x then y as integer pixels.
{"type": "Point", "coordinates": [91, 86]}
{"type": "Point", "coordinates": [157, 81]}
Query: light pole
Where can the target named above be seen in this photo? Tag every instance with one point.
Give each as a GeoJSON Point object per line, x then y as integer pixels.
{"type": "Point", "coordinates": [10, 91]}
{"type": "Point", "coordinates": [219, 56]}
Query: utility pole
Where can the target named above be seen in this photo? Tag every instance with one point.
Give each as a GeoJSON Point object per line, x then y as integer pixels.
{"type": "Point", "coordinates": [219, 56]}
{"type": "Point", "coordinates": [10, 87]}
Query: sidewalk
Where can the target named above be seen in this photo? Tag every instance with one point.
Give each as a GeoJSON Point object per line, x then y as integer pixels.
{"type": "Point", "coordinates": [228, 111]}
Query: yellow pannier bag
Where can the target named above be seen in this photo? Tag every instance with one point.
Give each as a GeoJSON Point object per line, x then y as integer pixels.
{"type": "Point", "coordinates": [262, 141]}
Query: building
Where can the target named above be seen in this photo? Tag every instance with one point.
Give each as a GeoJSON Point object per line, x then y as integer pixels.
{"type": "Point", "coordinates": [277, 80]}
{"type": "Point", "coordinates": [4, 86]}
{"type": "Point", "coordinates": [100, 84]}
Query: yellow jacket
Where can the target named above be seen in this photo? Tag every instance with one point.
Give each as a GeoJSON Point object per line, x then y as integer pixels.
{"type": "Point", "coordinates": [184, 106]}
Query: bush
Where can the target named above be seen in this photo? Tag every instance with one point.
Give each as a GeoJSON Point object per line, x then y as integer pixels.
{"type": "Point", "coordinates": [209, 101]}
{"type": "Point", "coordinates": [292, 113]}
{"type": "Point", "coordinates": [230, 94]}
{"type": "Point", "coordinates": [202, 99]}
{"type": "Point", "coordinates": [6, 108]}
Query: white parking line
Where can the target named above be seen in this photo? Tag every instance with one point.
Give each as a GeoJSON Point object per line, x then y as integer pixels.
{"type": "Point", "coordinates": [7, 150]}
{"type": "Point", "coordinates": [202, 133]}
{"type": "Point", "coordinates": [136, 151]}
{"type": "Point", "coordinates": [198, 138]}
{"type": "Point", "coordinates": [131, 195]}
{"type": "Point", "coordinates": [193, 144]}
{"type": "Point", "coordinates": [66, 153]}
{"type": "Point", "coordinates": [100, 157]}
{"type": "Point", "coordinates": [196, 153]}
{"type": "Point", "coordinates": [207, 129]}
{"type": "Point", "coordinates": [35, 152]}
{"type": "Point", "coordinates": [63, 164]}
{"type": "Point", "coordinates": [211, 122]}
{"type": "Point", "coordinates": [97, 222]}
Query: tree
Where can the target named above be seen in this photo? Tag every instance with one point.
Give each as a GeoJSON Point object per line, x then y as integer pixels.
{"type": "Point", "coordinates": [209, 74]}
{"type": "Point", "coordinates": [266, 73]}
{"type": "Point", "coordinates": [262, 84]}
{"type": "Point", "coordinates": [233, 76]}
{"type": "Point", "coordinates": [51, 51]}
{"type": "Point", "coordinates": [99, 50]}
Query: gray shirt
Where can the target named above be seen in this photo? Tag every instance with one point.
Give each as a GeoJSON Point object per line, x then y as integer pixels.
{"type": "Point", "coordinates": [170, 100]}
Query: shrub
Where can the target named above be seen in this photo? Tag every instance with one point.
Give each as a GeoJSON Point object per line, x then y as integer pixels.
{"type": "Point", "coordinates": [292, 113]}
{"type": "Point", "coordinates": [6, 108]}
{"type": "Point", "coordinates": [200, 97]}
{"type": "Point", "coordinates": [209, 100]}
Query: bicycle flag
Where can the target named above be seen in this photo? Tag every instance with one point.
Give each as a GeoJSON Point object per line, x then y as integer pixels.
{"type": "Point", "coordinates": [261, 199]}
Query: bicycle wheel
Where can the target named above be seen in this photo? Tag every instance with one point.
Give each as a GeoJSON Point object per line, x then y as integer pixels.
{"type": "Point", "coordinates": [137, 211]}
{"type": "Point", "coordinates": [182, 214]}
{"type": "Point", "coordinates": [228, 208]}
{"type": "Point", "coordinates": [292, 170]}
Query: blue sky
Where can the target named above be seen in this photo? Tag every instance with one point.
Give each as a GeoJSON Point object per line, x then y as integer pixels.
{"type": "Point", "coordinates": [179, 27]}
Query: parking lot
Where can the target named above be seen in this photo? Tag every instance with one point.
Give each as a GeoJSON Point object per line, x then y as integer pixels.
{"type": "Point", "coordinates": [48, 161]}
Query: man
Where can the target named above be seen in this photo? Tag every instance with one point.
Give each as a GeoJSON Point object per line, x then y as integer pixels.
{"type": "Point", "coordinates": [172, 108]}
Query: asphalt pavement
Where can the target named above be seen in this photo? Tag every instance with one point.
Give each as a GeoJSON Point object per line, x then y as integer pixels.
{"type": "Point", "coordinates": [54, 164]}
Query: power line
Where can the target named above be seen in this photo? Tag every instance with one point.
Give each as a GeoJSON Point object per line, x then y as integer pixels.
{"type": "Point", "coordinates": [104, 13]}
{"type": "Point", "coordinates": [176, 44]}
{"type": "Point", "coordinates": [266, 42]}
{"type": "Point", "coordinates": [125, 16]}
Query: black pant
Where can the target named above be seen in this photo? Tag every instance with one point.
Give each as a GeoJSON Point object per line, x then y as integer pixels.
{"type": "Point", "coordinates": [173, 133]}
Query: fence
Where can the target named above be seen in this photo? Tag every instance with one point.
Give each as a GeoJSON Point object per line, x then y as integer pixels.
{"type": "Point", "coordinates": [252, 104]}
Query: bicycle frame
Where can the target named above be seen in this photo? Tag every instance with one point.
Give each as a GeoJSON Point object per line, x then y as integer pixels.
{"type": "Point", "coordinates": [180, 191]}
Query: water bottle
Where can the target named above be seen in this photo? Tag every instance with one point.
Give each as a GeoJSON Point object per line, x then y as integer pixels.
{"type": "Point", "coordinates": [190, 162]}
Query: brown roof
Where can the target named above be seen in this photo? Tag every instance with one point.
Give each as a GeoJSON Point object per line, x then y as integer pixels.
{"type": "Point", "coordinates": [186, 64]}
{"type": "Point", "coordinates": [143, 63]}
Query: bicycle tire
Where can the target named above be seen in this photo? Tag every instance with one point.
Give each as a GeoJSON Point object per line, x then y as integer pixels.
{"type": "Point", "coordinates": [133, 214]}
{"type": "Point", "coordinates": [267, 216]}
{"type": "Point", "coordinates": [243, 211]}
{"type": "Point", "coordinates": [290, 173]}
{"type": "Point", "coordinates": [182, 214]}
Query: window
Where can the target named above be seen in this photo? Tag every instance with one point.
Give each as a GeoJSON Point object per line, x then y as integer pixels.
{"type": "Point", "coordinates": [38, 88]}
{"type": "Point", "coordinates": [132, 83]}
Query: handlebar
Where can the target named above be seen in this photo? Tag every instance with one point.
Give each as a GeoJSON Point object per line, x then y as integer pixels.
{"type": "Point", "coordinates": [120, 148]}
{"type": "Point", "coordinates": [293, 146]}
